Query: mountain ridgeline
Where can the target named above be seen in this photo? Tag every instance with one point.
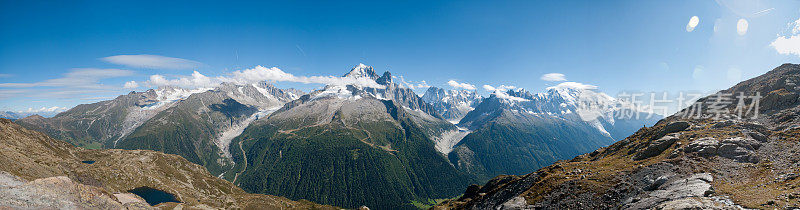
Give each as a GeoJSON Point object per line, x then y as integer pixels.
{"type": "Point", "coordinates": [711, 155]}
{"type": "Point", "coordinates": [349, 145]}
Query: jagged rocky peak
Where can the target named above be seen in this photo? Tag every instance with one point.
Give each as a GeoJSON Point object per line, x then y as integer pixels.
{"type": "Point", "coordinates": [452, 104]}
{"type": "Point", "coordinates": [434, 94]}
{"type": "Point", "coordinates": [386, 79]}
{"type": "Point", "coordinates": [362, 71]}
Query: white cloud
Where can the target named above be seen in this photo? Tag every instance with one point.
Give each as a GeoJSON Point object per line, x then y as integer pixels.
{"type": "Point", "coordinates": [501, 88]}
{"type": "Point", "coordinates": [45, 109]}
{"type": "Point", "coordinates": [693, 21]}
{"type": "Point", "coordinates": [466, 86]}
{"type": "Point", "coordinates": [789, 45]}
{"type": "Point", "coordinates": [130, 85]}
{"type": "Point", "coordinates": [254, 75]}
{"type": "Point", "coordinates": [553, 77]}
{"type": "Point", "coordinates": [574, 85]}
{"type": "Point", "coordinates": [196, 80]}
{"type": "Point", "coordinates": [5, 75]}
{"type": "Point", "coordinates": [741, 27]}
{"type": "Point", "coordinates": [152, 62]}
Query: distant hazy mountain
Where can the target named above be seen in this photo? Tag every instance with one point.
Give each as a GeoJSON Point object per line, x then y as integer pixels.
{"type": "Point", "coordinates": [349, 145]}
{"type": "Point", "coordinates": [452, 104]}
{"type": "Point", "coordinates": [10, 115]}
{"type": "Point", "coordinates": [19, 115]}
{"type": "Point", "coordinates": [514, 132]}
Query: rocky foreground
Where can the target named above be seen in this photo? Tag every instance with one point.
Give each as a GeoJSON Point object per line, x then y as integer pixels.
{"type": "Point", "coordinates": [715, 161]}
{"type": "Point", "coordinates": [37, 171]}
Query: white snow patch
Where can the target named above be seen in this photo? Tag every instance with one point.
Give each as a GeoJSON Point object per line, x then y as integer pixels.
{"type": "Point", "coordinates": [264, 92]}
{"type": "Point", "coordinates": [335, 91]}
{"type": "Point", "coordinates": [449, 139]}
{"type": "Point", "coordinates": [168, 95]}
{"type": "Point", "coordinates": [224, 140]}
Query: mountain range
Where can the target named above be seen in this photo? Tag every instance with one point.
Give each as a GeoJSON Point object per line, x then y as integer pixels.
{"type": "Point", "coordinates": [379, 145]}
{"type": "Point", "coordinates": [710, 155]}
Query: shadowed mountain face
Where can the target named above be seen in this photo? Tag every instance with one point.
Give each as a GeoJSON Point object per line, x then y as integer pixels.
{"type": "Point", "coordinates": [60, 177]}
{"type": "Point", "coordinates": [717, 159]}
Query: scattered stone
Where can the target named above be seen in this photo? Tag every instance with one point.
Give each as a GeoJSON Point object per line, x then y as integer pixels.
{"type": "Point", "coordinates": [704, 147]}
{"type": "Point", "coordinates": [755, 135]}
{"type": "Point", "coordinates": [656, 147]}
{"type": "Point", "coordinates": [738, 148]}
{"type": "Point", "coordinates": [515, 203]}
{"type": "Point", "coordinates": [722, 124]}
{"type": "Point", "coordinates": [657, 183]}
{"type": "Point", "coordinates": [676, 126]}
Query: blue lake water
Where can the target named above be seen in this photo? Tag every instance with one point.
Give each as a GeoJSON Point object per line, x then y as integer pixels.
{"type": "Point", "coordinates": [154, 196]}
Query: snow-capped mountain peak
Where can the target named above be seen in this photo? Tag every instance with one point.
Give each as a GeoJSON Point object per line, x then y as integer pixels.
{"type": "Point", "coordinates": [452, 104]}
{"type": "Point", "coordinates": [362, 71]}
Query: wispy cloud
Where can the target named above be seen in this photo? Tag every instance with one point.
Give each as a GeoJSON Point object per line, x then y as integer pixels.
{"type": "Point", "coordinates": [553, 77]}
{"type": "Point", "coordinates": [465, 86]}
{"type": "Point", "coordinates": [77, 83]}
{"type": "Point", "coordinates": [45, 109]}
{"type": "Point", "coordinates": [77, 78]}
{"type": "Point", "coordinates": [5, 75]}
{"type": "Point", "coordinates": [254, 75]}
{"type": "Point", "coordinates": [152, 62]}
{"type": "Point", "coordinates": [130, 85]}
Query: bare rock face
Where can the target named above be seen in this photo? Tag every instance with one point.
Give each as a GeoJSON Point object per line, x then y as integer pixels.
{"type": "Point", "coordinates": [59, 193]}
{"type": "Point", "coordinates": [656, 147]}
{"type": "Point", "coordinates": [738, 148]}
{"type": "Point", "coordinates": [676, 127]}
{"type": "Point", "coordinates": [694, 186]}
{"type": "Point", "coordinates": [696, 203]}
{"type": "Point", "coordinates": [704, 147]}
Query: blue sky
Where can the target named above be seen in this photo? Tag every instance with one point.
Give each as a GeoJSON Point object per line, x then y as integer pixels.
{"type": "Point", "coordinates": [67, 53]}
